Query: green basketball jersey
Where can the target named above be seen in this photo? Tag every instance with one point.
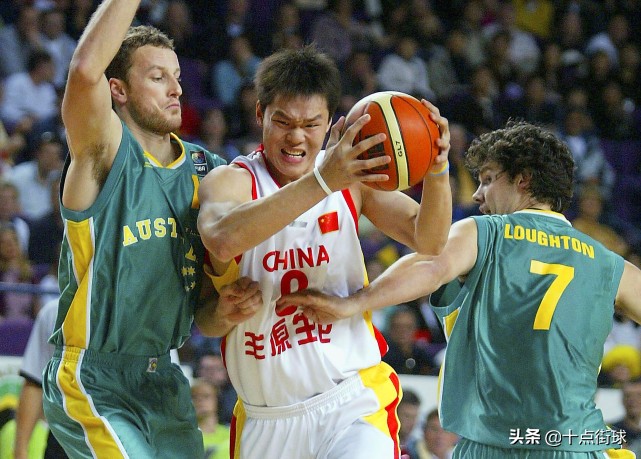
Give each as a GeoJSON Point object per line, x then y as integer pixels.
{"type": "Point", "coordinates": [525, 336]}
{"type": "Point", "coordinates": [131, 265]}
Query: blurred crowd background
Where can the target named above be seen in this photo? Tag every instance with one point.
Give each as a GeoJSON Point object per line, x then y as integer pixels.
{"type": "Point", "coordinates": [572, 66]}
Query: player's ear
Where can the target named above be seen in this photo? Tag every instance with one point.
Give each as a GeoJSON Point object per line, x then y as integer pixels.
{"type": "Point", "coordinates": [523, 180]}
{"type": "Point", "coordinates": [118, 90]}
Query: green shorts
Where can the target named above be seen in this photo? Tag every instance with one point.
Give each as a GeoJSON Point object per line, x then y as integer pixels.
{"type": "Point", "coordinates": [116, 406]}
{"type": "Point", "coordinates": [468, 449]}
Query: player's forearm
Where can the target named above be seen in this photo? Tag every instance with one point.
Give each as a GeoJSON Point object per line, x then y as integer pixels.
{"type": "Point", "coordinates": [253, 222]}
{"type": "Point", "coordinates": [435, 214]}
{"type": "Point", "coordinates": [27, 415]}
{"type": "Point", "coordinates": [102, 37]}
{"type": "Point", "coordinates": [412, 276]}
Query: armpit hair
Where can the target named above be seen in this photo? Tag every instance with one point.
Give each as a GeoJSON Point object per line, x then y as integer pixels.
{"type": "Point", "coordinates": [100, 169]}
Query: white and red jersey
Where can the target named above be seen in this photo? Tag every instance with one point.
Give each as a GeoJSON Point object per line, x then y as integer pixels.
{"type": "Point", "coordinates": [277, 360]}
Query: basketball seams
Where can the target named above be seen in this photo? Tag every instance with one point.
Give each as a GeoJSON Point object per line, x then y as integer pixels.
{"type": "Point", "coordinates": [395, 135]}
{"type": "Point", "coordinates": [406, 137]}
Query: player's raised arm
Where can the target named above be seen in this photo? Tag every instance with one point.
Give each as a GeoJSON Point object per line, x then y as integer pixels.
{"type": "Point", "coordinates": [93, 129]}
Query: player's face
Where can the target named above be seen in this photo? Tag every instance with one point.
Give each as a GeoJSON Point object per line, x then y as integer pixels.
{"type": "Point", "coordinates": [153, 90]}
{"type": "Point", "coordinates": [204, 399]}
{"type": "Point", "coordinates": [496, 194]}
{"type": "Point", "coordinates": [294, 130]}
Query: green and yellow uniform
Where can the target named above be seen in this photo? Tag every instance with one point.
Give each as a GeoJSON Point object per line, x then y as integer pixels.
{"type": "Point", "coordinates": [130, 276]}
{"type": "Point", "coordinates": [525, 340]}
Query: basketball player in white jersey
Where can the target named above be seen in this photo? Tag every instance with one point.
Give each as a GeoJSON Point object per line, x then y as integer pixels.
{"type": "Point", "coordinates": [287, 217]}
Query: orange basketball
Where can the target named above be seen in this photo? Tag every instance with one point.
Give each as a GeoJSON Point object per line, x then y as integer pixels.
{"type": "Point", "coordinates": [411, 137]}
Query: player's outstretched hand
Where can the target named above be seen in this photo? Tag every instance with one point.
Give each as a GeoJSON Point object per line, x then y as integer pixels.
{"type": "Point", "coordinates": [319, 307]}
{"type": "Point", "coordinates": [444, 140]}
{"type": "Point", "coordinates": [341, 166]}
{"type": "Point", "coordinates": [239, 301]}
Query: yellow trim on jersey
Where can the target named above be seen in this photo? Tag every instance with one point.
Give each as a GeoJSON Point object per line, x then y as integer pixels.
{"type": "Point", "coordinates": [396, 139]}
{"type": "Point", "coordinates": [75, 327]}
{"type": "Point", "coordinates": [449, 321]}
{"type": "Point", "coordinates": [241, 418]}
{"type": "Point", "coordinates": [79, 407]}
{"type": "Point", "coordinates": [377, 378]}
{"type": "Point", "coordinates": [232, 274]}
{"type": "Point", "coordinates": [195, 203]}
{"type": "Point", "coordinates": [175, 163]}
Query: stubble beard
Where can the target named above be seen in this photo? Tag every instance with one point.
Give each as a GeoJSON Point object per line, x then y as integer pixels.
{"type": "Point", "coordinates": [153, 121]}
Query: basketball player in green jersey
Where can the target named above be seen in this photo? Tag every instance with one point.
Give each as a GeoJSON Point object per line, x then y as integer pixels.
{"type": "Point", "coordinates": [526, 330]}
{"type": "Point", "coordinates": [132, 259]}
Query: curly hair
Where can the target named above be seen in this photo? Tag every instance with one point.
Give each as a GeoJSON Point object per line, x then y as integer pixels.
{"type": "Point", "coordinates": [522, 147]}
{"type": "Point", "coordinates": [136, 37]}
{"type": "Point", "coordinates": [300, 72]}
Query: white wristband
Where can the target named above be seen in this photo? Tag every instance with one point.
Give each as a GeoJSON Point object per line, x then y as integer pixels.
{"type": "Point", "coordinates": [321, 182]}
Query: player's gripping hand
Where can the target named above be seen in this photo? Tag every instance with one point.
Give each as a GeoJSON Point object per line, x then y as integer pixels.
{"type": "Point", "coordinates": [319, 307]}
{"type": "Point", "coordinates": [444, 140]}
{"type": "Point", "coordinates": [238, 301]}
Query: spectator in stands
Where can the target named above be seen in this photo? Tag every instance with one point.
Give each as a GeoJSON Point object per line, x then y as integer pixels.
{"type": "Point", "coordinates": [408, 412]}
{"type": "Point", "coordinates": [476, 108]}
{"type": "Point", "coordinates": [78, 16]}
{"type": "Point", "coordinates": [235, 20]}
{"type": "Point", "coordinates": [610, 40]}
{"type": "Point", "coordinates": [589, 221]}
{"type": "Point", "coordinates": [524, 51]}
{"type": "Point", "coordinates": [406, 355]}
{"type": "Point", "coordinates": [190, 39]}
{"type": "Point", "coordinates": [286, 24]}
{"type": "Point", "coordinates": [535, 17]}
{"type": "Point", "coordinates": [210, 367]}
{"type": "Point", "coordinates": [465, 184]}
{"type": "Point", "coordinates": [37, 354]}
{"type": "Point", "coordinates": [239, 68]}
{"type": "Point", "coordinates": [30, 102]}
{"type": "Point", "coordinates": [631, 421]}
{"type": "Point", "coordinates": [630, 72]}
{"type": "Point", "coordinates": [15, 268]}
{"type": "Point", "coordinates": [46, 231]}
{"type": "Point", "coordinates": [57, 42]}
{"type": "Point", "coordinates": [335, 31]}
{"type": "Point", "coordinates": [358, 80]}
{"type": "Point", "coordinates": [32, 178]}
{"type": "Point", "coordinates": [18, 41]}
{"type": "Point", "coordinates": [591, 164]}
{"type": "Point", "coordinates": [617, 117]}
{"type": "Point", "coordinates": [244, 131]}
{"type": "Point", "coordinates": [10, 146]}
{"type": "Point", "coordinates": [448, 66]}
{"type": "Point", "coordinates": [213, 134]}
{"type": "Point", "coordinates": [434, 443]}
{"type": "Point", "coordinates": [500, 62]}
{"type": "Point", "coordinates": [10, 213]}
{"type": "Point", "coordinates": [405, 70]}
{"type": "Point", "coordinates": [204, 395]}
{"type": "Point", "coordinates": [419, 20]}
{"type": "Point", "coordinates": [536, 104]}
{"type": "Point", "coordinates": [471, 24]}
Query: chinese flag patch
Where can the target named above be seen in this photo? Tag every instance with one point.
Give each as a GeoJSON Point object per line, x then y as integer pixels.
{"type": "Point", "coordinates": [328, 222]}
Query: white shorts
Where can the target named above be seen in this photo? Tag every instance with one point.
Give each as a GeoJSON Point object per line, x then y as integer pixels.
{"type": "Point", "coordinates": [356, 420]}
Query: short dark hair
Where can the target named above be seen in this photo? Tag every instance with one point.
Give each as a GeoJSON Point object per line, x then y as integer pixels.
{"type": "Point", "coordinates": [137, 37]}
{"type": "Point", "coordinates": [522, 147]}
{"type": "Point", "coordinates": [36, 58]}
{"type": "Point", "coordinates": [298, 72]}
{"type": "Point", "coordinates": [410, 397]}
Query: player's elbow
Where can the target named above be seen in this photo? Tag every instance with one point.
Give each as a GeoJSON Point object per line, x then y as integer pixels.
{"type": "Point", "coordinates": [219, 242]}
{"type": "Point", "coordinates": [432, 246]}
{"type": "Point", "coordinates": [83, 71]}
